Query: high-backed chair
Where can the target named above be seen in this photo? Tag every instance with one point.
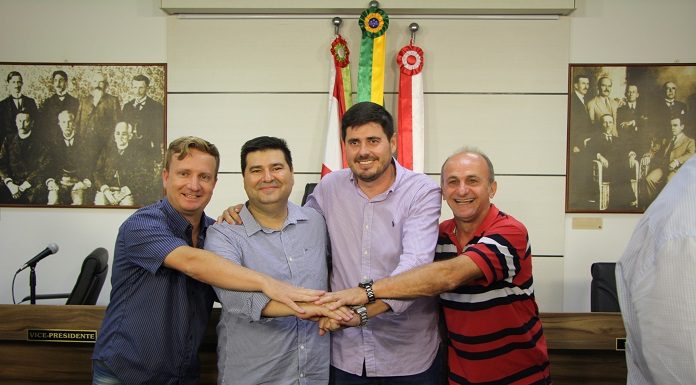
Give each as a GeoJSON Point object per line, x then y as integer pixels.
{"type": "Point", "coordinates": [89, 282]}
{"type": "Point", "coordinates": [603, 295]}
{"type": "Point", "coordinates": [309, 187]}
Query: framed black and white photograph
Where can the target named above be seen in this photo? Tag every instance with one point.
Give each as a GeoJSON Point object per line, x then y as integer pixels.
{"type": "Point", "coordinates": [82, 135]}
{"type": "Point", "coordinates": [630, 128]}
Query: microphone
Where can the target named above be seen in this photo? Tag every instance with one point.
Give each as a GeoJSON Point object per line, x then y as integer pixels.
{"type": "Point", "coordinates": [52, 248]}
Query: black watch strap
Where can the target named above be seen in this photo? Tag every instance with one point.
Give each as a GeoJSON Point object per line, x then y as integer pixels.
{"type": "Point", "coordinates": [367, 285]}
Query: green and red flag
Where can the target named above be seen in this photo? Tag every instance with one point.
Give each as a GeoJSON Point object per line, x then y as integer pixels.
{"type": "Point", "coordinates": [340, 99]}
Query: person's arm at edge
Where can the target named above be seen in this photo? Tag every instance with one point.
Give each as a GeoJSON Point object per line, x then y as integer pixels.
{"type": "Point", "coordinates": [212, 269]}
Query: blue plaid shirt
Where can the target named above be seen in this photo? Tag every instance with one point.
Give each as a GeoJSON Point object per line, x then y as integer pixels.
{"type": "Point", "coordinates": [157, 316]}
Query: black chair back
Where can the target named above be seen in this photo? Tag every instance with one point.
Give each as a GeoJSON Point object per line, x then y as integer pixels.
{"type": "Point", "coordinates": [91, 279]}
{"type": "Point", "coordinates": [309, 187]}
{"type": "Point", "coordinates": [603, 295]}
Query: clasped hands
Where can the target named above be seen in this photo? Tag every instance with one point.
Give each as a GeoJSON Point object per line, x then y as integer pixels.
{"type": "Point", "coordinates": [329, 309]}
{"type": "Point", "coordinates": [328, 319]}
{"type": "Point", "coordinates": [332, 312]}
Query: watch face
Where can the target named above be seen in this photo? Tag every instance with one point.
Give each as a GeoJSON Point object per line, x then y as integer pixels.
{"type": "Point", "coordinates": [366, 282]}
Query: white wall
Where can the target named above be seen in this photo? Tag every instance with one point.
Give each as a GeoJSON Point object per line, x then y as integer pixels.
{"type": "Point", "coordinates": [619, 31]}
{"type": "Point", "coordinates": [118, 31]}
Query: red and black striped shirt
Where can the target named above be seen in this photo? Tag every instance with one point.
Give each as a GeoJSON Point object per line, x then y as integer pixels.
{"type": "Point", "coordinates": [494, 332]}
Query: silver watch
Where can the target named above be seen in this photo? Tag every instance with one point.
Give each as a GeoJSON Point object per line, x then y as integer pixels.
{"type": "Point", "coordinates": [361, 310]}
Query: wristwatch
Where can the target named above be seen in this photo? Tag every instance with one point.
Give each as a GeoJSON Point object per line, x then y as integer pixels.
{"type": "Point", "coordinates": [361, 310]}
{"type": "Point", "coordinates": [367, 285]}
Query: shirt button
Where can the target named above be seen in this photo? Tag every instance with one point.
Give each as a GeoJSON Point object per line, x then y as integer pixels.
{"type": "Point", "coordinates": [290, 259]}
{"type": "Point", "coordinates": [301, 346]}
{"type": "Point", "coordinates": [301, 374]}
{"type": "Point", "coordinates": [365, 252]}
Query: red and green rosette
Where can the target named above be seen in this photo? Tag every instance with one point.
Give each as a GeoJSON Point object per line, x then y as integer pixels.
{"type": "Point", "coordinates": [340, 52]}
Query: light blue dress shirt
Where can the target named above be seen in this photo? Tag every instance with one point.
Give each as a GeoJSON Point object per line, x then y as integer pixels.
{"type": "Point", "coordinates": [284, 350]}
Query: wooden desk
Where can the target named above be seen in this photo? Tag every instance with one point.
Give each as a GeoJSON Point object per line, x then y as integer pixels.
{"type": "Point", "coordinates": [581, 346]}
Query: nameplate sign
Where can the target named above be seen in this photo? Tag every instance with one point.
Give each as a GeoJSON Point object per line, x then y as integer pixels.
{"type": "Point", "coordinates": [59, 335]}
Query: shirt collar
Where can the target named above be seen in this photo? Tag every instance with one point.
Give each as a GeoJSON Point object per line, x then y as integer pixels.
{"type": "Point", "coordinates": [490, 217]}
{"type": "Point", "coordinates": [179, 223]}
{"type": "Point", "coordinates": [448, 227]}
{"type": "Point", "coordinates": [24, 136]}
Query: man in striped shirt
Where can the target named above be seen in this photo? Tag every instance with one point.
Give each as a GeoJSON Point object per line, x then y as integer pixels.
{"type": "Point", "coordinates": [484, 272]}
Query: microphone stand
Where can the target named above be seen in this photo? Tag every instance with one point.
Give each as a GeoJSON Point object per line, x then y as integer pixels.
{"type": "Point", "coordinates": [32, 284]}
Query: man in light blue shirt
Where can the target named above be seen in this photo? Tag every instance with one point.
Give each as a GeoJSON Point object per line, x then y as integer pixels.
{"type": "Point", "coordinates": [286, 242]}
